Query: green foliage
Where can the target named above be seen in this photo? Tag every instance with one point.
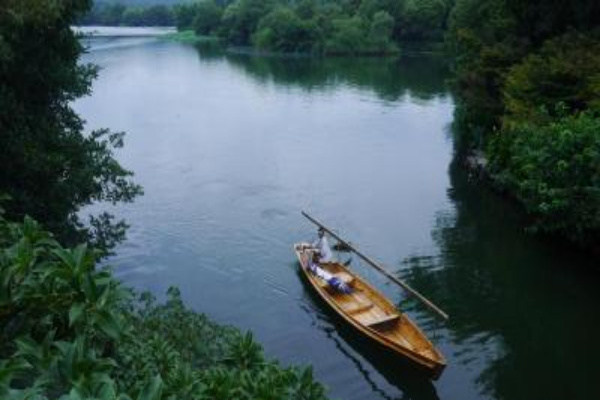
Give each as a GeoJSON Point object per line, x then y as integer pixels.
{"type": "Point", "coordinates": [282, 30]}
{"type": "Point", "coordinates": [158, 15]}
{"type": "Point", "coordinates": [185, 14]}
{"type": "Point", "coordinates": [423, 19]}
{"type": "Point", "coordinates": [566, 70]}
{"type": "Point", "coordinates": [474, 23]}
{"type": "Point", "coordinates": [490, 37]}
{"type": "Point", "coordinates": [554, 170]}
{"type": "Point", "coordinates": [50, 167]}
{"type": "Point", "coordinates": [481, 37]}
{"type": "Point", "coordinates": [71, 331]}
{"type": "Point", "coordinates": [306, 9]}
{"type": "Point", "coordinates": [525, 72]}
{"type": "Point", "coordinates": [189, 36]}
{"type": "Point", "coordinates": [241, 19]}
{"type": "Point", "coordinates": [208, 17]}
{"type": "Point", "coordinates": [105, 14]}
{"type": "Point", "coordinates": [337, 27]}
{"type": "Point", "coordinates": [368, 8]}
{"type": "Point", "coordinates": [380, 33]}
{"type": "Point", "coordinates": [540, 20]}
{"type": "Point", "coordinates": [348, 37]}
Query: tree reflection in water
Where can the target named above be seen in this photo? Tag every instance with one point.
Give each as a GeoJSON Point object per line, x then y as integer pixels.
{"type": "Point", "coordinates": [520, 304]}
{"type": "Point", "coordinates": [422, 77]}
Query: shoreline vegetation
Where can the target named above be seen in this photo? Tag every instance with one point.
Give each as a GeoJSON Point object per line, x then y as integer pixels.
{"type": "Point", "coordinates": [328, 28]}
{"type": "Point", "coordinates": [72, 331]}
{"type": "Point", "coordinates": [191, 37]}
{"type": "Point", "coordinates": [527, 111]}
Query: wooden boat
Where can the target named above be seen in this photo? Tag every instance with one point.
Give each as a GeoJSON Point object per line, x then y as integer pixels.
{"type": "Point", "coordinates": [373, 315]}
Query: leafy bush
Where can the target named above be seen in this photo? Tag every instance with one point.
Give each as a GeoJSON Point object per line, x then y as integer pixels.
{"type": "Point", "coordinates": [366, 27]}
{"type": "Point", "coordinates": [566, 70]}
{"type": "Point", "coordinates": [282, 30]}
{"type": "Point", "coordinates": [360, 36]}
{"type": "Point", "coordinates": [380, 33]}
{"type": "Point", "coordinates": [208, 17]}
{"type": "Point", "coordinates": [51, 167]}
{"type": "Point", "coordinates": [554, 170]}
{"type": "Point", "coordinates": [241, 18]}
{"type": "Point", "coordinates": [423, 19]}
{"type": "Point", "coordinates": [528, 83]}
{"type": "Point", "coordinates": [185, 14]}
{"type": "Point", "coordinates": [348, 37]}
{"type": "Point", "coordinates": [71, 331]}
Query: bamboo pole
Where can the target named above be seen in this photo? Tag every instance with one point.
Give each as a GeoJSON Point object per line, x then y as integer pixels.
{"type": "Point", "coordinates": [380, 268]}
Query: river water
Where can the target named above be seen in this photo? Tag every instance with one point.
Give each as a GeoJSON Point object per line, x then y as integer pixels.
{"type": "Point", "coordinates": [230, 148]}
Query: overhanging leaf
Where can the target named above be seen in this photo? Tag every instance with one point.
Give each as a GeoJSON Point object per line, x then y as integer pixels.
{"type": "Point", "coordinates": [152, 390]}
{"type": "Point", "coordinates": [75, 313]}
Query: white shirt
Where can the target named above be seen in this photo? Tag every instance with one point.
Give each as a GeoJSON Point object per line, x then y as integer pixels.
{"type": "Point", "coordinates": [318, 271]}
{"type": "Point", "coordinates": [322, 245]}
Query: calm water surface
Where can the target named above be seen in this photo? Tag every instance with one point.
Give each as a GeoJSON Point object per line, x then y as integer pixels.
{"type": "Point", "coordinates": [230, 148]}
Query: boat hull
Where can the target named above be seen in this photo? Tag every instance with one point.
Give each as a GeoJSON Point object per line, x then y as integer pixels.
{"type": "Point", "coordinates": [374, 316]}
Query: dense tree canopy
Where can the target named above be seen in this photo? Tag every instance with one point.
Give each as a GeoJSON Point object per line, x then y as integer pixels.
{"type": "Point", "coordinates": [208, 17]}
{"type": "Point", "coordinates": [282, 30]}
{"type": "Point", "coordinates": [50, 167]}
{"type": "Point", "coordinates": [308, 26]}
{"type": "Point", "coordinates": [566, 71]}
{"type": "Point", "coordinates": [527, 79]}
{"type": "Point", "coordinates": [490, 37]}
{"type": "Point", "coordinates": [331, 27]}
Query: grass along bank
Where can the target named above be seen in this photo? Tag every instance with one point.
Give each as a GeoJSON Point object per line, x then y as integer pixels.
{"type": "Point", "coordinates": [191, 37]}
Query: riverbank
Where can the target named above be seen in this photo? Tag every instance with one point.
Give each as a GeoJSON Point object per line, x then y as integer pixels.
{"type": "Point", "coordinates": [527, 97]}
{"type": "Point", "coordinates": [191, 37]}
{"type": "Point", "coordinates": [479, 169]}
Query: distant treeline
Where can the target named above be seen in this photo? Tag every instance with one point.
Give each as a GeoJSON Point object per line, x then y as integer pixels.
{"type": "Point", "coordinates": [117, 14]}
{"type": "Point", "coordinates": [318, 27]}
{"type": "Point", "coordinates": [307, 26]}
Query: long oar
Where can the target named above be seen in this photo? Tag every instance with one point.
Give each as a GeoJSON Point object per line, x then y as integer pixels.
{"type": "Point", "coordinates": [378, 267]}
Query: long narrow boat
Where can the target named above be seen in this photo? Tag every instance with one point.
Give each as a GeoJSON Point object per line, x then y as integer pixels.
{"type": "Point", "coordinates": [373, 314]}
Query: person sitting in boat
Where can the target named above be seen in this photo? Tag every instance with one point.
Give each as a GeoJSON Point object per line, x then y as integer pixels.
{"type": "Point", "coordinates": [322, 246]}
{"type": "Point", "coordinates": [333, 281]}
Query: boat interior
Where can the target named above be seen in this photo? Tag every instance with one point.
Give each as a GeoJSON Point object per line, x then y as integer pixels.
{"type": "Point", "coordinates": [372, 310]}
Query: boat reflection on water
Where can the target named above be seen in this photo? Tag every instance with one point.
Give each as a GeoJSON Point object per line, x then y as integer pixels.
{"type": "Point", "coordinates": [411, 381]}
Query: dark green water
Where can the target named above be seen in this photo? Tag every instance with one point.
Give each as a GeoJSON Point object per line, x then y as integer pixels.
{"type": "Point", "coordinates": [230, 148]}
